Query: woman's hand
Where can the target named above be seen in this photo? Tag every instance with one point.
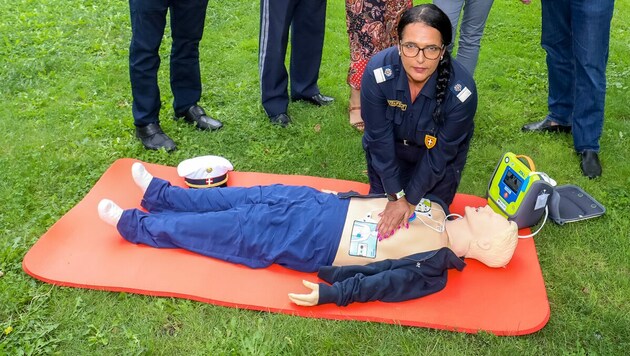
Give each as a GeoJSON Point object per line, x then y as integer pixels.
{"type": "Point", "coordinates": [395, 216]}
{"type": "Point", "coordinates": [307, 300]}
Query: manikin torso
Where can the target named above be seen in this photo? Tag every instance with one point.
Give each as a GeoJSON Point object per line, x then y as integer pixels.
{"type": "Point", "coordinates": [405, 242]}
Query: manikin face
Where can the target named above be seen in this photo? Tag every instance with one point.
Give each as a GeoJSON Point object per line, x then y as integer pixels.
{"type": "Point", "coordinates": [419, 35]}
{"type": "Point", "coordinates": [483, 221]}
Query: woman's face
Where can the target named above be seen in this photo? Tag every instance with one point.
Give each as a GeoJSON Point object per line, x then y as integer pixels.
{"type": "Point", "coordinates": [418, 35]}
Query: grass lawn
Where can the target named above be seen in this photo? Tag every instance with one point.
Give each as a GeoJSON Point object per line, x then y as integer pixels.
{"type": "Point", "coordinates": [66, 116]}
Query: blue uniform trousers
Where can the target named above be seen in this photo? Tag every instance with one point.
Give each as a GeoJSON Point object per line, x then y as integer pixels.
{"type": "Point", "coordinates": [148, 20]}
{"type": "Point", "coordinates": [297, 227]}
{"type": "Point", "coordinates": [575, 35]}
{"type": "Point", "coordinates": [306, 18]}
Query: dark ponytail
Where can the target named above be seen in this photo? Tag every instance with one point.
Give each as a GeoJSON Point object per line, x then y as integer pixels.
{"type": "Point", "coordinates": [432, 16]}
{"type": "Point", "coordinates": [444, 76]}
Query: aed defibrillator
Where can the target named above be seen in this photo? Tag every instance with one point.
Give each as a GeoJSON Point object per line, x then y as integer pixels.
{"type": "Point", "coordinates": [518, 192]}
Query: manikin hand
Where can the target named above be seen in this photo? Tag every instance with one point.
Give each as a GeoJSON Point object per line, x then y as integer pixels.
{"type": "Point", "coordinates": [395, 216]}
{"type": "Point", "coordinates": [307, 300]}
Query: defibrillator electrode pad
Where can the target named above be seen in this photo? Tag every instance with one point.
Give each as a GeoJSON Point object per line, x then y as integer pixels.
{"type": "Point", "coordinates": [570, 203]}
{"type": "Point", "coordinates": [519, 193]}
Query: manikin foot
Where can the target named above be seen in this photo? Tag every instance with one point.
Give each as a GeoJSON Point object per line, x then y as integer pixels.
{"type": "Point", "coordinates": [109, 212]}
{"type": "Point", "coordinates": [141, 176]}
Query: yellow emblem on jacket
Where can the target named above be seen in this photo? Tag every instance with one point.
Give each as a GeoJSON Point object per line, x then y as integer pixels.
{"type": "Point", "coordinates": [397, 104]}
{"type": "Point", "coordinates": [430, 141]}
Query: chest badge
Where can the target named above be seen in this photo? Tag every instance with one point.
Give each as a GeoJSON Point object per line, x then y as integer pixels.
{"type": "Point", "coordinates": [430, 141]}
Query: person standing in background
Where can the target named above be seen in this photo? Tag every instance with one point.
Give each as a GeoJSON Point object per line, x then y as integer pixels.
{"type": "Point", "coordinates": [371, 28]}
{"type": "Point", "coordinates": [148, 20]}
{"type": "Point", "coordinates": [576, 36]}
{"type": "Point", "coordinates": [306, 19]}
{"type": "Point", "coordinates": [474, 16]}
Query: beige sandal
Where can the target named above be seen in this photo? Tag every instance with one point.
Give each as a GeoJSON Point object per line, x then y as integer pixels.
{"type": "Point", "coordinates": [359, 125]}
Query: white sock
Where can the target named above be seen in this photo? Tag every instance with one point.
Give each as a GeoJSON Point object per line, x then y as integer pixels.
{"type": "Point", "coordinates": [109, 212]}
{"type": "Point", "coordinates": [141, 176]}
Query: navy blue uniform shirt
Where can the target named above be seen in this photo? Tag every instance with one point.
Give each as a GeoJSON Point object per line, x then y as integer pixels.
{"type": "Point", "coordinates": [404, 146]}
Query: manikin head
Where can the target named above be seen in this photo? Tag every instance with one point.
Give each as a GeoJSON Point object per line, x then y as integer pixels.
{"type": "Point", "coordinates": [491, 238]}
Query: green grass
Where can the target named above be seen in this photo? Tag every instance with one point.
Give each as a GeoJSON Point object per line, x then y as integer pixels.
{"type": "Point", "coordinates": [66, 116]}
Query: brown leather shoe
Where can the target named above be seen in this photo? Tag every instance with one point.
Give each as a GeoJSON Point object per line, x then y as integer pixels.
{"type": "Point", "coordinates": [546, 125]}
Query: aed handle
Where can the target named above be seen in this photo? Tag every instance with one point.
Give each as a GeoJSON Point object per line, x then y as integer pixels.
{"type": "Point", "coordinates": [530, 162]}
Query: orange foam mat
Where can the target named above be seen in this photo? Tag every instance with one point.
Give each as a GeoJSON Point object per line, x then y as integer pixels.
{"type": "Point", "coordinates": [82, 251]}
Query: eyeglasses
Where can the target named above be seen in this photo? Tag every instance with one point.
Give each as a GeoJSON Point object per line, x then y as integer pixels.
{"type": "Point", "coordinates": [429, 52]}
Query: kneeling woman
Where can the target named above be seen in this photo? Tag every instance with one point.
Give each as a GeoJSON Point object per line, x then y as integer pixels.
{"type": "Point", "coordinates": [307, 230]}
{"type": "Point", "coordinates": [418, 106]}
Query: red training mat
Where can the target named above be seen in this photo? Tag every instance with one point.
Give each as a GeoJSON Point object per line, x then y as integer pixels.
{"type": "Point", "coordinates": [82, 251]}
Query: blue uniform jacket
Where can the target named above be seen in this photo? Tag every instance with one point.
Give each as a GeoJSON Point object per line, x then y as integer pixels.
{"type": "Point", "coordinates": [401, 137]}
{"type": "Point", "coordinates": [407, 278]}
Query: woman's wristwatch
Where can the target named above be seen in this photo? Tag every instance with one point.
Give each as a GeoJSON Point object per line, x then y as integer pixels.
{"type": "Point", "coordinates": [395, 197]}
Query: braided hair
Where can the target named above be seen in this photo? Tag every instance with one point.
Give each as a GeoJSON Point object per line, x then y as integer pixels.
{"type": "Point", "coordinates": [432, 16]}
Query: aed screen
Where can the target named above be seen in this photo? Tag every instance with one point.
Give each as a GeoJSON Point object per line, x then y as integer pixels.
{"type": "Point", "coordinates": [512, 181]}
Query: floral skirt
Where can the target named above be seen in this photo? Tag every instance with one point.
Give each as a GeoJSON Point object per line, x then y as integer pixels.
{"type": "Point", "coordinates": [372, 27]}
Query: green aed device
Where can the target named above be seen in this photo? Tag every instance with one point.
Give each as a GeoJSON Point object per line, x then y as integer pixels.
{"type": "Point", "coordinates": [518, 192]}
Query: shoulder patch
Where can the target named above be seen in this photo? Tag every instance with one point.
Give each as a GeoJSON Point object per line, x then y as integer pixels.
{"type": "Point", "coordinates": [383, 74]}
{"type": "Point", "coordinates": [461, 91]}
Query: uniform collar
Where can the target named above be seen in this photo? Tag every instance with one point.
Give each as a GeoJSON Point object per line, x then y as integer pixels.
{"type": "Point", "coordinates": [403, 85]}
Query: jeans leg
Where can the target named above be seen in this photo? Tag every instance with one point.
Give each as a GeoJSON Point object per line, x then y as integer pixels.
{"type": "Point", "coordinates": [187, 22]}
{"type": "Point", "coordinates": [307, 43]}
{"type": "Point", "coordinates": [591, 36]}
{"type": "Point", "coordinates": [452, 9]}
{"type": "Point", "coordinates": [557, 42]}
{"type": "Point", "coordinates": [471, 30]}
{"type": "Point", "coordinates": [148, 19]}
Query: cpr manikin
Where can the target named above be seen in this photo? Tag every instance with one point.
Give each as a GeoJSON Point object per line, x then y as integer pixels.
{"type": "Point", "coordinates": [308, 230]}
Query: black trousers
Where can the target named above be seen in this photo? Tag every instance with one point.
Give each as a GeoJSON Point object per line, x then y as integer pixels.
{"type": "Point", "coordinates": [148, 20]}
{"type": "Point", "coordinates": [306, 19]}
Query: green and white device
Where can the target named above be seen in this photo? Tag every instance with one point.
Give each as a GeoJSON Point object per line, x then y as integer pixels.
{"type": "Point", "coordinates": [517, 192]}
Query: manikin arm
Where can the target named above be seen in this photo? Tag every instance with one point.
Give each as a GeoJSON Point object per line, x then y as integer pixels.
{"type": "Point", "coordinates": [307, 300]}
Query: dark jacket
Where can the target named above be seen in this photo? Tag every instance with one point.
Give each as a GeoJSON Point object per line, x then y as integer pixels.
{"type": "Point", "coordinates": [407, 278]}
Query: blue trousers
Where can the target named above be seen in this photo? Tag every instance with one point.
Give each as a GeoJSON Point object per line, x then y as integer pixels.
{"type": "Point", "coordinates": [576, 34]}
{"type": "Point", "coordinates": [148, 20]}
{"type": "Point", "coordinates": [307, 19]}
{"type": "Point", "coordinates": [296, 227]}
{"type": "Point", "coordinates": [473, 23]}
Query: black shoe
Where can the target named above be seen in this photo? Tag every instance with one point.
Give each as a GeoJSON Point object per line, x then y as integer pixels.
{"type": "Point", "coordinates": [590, 164]}
{"type": "Point", "coordinates": [546, 125]}
{"type": "Point", "coordinates": [281, 119]}
{"type": "Point", "coordinates": [153, 138]}
{"type": "Point", "coordinates": [317, 99]}
{"type": "Point", "coordinates": [196, 115]}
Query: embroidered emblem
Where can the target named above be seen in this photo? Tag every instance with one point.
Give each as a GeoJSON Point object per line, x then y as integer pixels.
{"type": "Point", "coordinates": [461, 91]}
{"type": "Point", "coordinates": [397, 104]}
{"type": "Point", "coordinates": [430, 141]}
{"type": "Point", "coordinates": [418, 264]}
{"type": "Point", "coordinates": [383, 74]}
